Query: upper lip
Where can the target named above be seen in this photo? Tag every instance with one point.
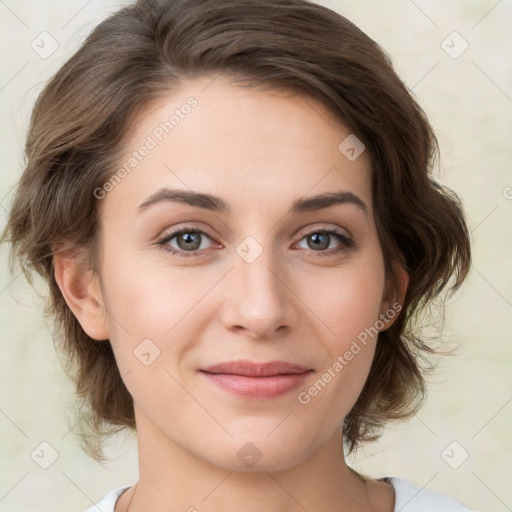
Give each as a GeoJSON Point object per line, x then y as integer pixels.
{"type": "Point", "coordinates": [255, 369]}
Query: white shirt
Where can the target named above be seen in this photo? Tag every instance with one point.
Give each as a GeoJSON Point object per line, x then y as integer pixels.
{"type": "Point", "coordinates": [408, 498]}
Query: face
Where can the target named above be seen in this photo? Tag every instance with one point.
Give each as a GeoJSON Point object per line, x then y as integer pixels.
{"type": "Point", "coordinates": [215, 260]}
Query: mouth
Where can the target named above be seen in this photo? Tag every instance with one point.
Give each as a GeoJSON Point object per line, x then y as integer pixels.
{"type": "Point", "coordinates": [257, 380]}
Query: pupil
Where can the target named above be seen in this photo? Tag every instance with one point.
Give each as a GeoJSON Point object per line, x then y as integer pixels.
{"type": "Point", "coordinates": [190, 238]}
{"type": "Point", "coordinates": [318, 242]}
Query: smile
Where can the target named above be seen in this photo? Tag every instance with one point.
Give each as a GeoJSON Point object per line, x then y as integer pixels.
{"type": "Point", "coordinates": [257, 380]}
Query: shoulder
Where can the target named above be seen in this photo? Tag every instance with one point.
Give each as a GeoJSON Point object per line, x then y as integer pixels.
{"type": "Point", "coordinates": [108, 503]}
{"type": "Point", "coordinates": [410, 497]}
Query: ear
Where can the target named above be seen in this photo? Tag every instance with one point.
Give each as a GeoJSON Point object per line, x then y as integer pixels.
{"type": "Point", "coordinates": [393, 300]}
{"type": "Point", "coordinates": [82, 293]}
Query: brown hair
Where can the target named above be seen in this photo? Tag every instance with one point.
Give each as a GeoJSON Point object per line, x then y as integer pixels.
{"type": "Point", "coordinates": [140, 53]}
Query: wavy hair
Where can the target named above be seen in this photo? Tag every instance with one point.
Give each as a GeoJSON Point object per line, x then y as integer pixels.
{"type": "Point", "coordinates": [143, 52]}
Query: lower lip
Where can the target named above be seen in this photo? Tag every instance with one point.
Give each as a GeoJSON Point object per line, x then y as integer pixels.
{"type": "Point", "coordinates": [258, 387]}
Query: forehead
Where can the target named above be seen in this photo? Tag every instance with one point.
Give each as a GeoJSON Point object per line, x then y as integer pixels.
{"type": "Point", "coordinates": [248, 145]}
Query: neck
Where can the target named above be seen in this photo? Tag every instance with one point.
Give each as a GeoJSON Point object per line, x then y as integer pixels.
{"type": "Point", "coordinates": [172, 479]}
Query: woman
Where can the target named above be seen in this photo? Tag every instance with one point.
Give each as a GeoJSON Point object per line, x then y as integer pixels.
{"type": "Point", "coordinates": [233, 205]}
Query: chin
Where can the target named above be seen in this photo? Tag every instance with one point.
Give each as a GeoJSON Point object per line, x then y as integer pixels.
{"type": "Point", "coordinates": [259, 454]}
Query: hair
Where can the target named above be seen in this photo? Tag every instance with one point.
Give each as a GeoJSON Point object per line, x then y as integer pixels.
{"type": "Point", "coordinates": [141, 53]}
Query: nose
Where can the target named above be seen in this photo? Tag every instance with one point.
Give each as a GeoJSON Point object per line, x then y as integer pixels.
{"type": "Point", "coordinates": [258, 298]}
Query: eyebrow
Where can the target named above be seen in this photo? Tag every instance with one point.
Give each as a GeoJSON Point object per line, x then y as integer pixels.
{"type": "Point", "coordinates": [217, 204]}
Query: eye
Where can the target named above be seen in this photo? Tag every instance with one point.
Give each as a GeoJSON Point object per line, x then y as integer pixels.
{"type": "Point", "coordinates": [189, 241]}
{"type": "Point", "coordinates": [185, 240]}
{"type": "Point", "coordinates": [320, 239]}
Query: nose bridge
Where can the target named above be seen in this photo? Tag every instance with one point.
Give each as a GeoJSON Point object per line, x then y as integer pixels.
{"type": "Point", "coordinates": [261, 300]}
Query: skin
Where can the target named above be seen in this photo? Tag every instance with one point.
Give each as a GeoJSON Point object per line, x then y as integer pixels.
{"type": "Point", "coordinates": [259, 151]}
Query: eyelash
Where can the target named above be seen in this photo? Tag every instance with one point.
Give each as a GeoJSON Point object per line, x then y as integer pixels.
{"type": "Point", "coordinates": [346, 243]}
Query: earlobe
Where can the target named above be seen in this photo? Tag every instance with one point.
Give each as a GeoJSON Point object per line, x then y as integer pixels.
{"type": "Point", "coordinates": [82, 293]}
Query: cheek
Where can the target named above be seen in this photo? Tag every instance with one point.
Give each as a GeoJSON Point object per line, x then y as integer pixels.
{"type": "Point", "coordinates": [152, 301]}
{"type": "Point", "coordinates": [347, 300]}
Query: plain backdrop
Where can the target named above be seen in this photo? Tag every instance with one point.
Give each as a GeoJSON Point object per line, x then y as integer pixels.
{"type": "Point", "coordinates": [456, 58]}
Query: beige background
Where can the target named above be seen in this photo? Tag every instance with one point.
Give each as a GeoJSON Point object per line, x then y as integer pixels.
{"type": "Point", "coordinates": [469, 101]}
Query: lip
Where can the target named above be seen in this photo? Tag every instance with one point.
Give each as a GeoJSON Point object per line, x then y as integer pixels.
{"type": "Point", "coordinates": [257, 380]}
